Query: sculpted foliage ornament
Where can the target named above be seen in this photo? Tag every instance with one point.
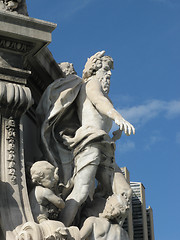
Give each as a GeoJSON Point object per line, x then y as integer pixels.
{"type": "Point", "coordinates": [15, 45]}
{"type": "Point", "coordinates": [18, 6]}
{"type": "Point", "coordinates": [11, 138]}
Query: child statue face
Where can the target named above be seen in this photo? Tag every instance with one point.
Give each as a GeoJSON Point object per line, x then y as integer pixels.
{"type": "Point", "coordinates": [48, 181]}
{"type": "Point", "coordinates": [45, 174]}
{"type": "Point", "coordinates": [115, 206]}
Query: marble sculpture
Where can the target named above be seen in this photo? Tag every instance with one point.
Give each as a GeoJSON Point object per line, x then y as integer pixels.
{"type": "Point", "coordinates": [75, 116]}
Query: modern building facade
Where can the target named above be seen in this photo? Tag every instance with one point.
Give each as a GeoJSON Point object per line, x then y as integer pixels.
{"type": "Point", "coordinates": [139, 223]}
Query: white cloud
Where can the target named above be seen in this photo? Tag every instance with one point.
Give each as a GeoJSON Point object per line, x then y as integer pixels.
{"type": "Point", "coordinates": [173, 109]}
{"type": "Point", "coordinates": [153, 139]}
{"type": "Point", "coordinates": [117, 98]}
{"type": "Point", "coordinates": [143, 113]}
{"type": "Point", "coordinates": [73, 7]}
{"type": "Point", "coordinates": [125, 146]}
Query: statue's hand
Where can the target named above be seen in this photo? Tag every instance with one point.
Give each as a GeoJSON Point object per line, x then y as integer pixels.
{"type": "Point", "coordinates": [116, 135]}
{"type": "Point", "coordinates": [125, 126]}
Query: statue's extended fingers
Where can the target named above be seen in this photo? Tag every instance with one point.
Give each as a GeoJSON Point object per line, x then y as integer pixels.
{"type": "Point", "coordinates": [121, 127]}
{"type": "Point", "coordinates": [125, 128]}
{"type": "Point", "coordinates": [129, 130]}
{"type": "Point", "coordinates": [133, 130]}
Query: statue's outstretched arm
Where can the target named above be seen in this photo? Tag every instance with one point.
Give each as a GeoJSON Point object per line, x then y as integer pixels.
{"type": "Point", "coordinates": [104, 106]}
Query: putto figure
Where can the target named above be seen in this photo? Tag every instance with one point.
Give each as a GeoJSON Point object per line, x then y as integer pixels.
{"type": "Point", "coordinates": [84, 104]}
{"type": "Point", "coordinates": [107, 226]}
{"type": "Point", "coordinates": [44, 202]}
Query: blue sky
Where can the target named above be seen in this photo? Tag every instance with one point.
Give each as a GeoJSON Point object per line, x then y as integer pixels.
{"type": "Point", "coordinates": [143, 37]}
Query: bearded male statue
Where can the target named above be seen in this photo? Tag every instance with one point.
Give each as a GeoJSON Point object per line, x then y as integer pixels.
{"type": "Point", "coordinates": [85, 104]}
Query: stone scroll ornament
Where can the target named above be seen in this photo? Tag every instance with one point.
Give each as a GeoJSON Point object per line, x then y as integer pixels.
{"type": "Point", "coordinates": [48, 230]}
{"type": "Point", "coordinates": [18, 6]}
{"type": "Point", "coordinates": [15, 99]}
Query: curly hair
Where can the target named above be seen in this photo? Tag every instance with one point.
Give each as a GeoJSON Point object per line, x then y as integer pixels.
{"type": "Point", "coordinates": [94, 63]}
{"type": "Point", "coordinates": [118, 208]}
{"type": "Point", "coordinates": [67, 68]}
{"type": "Point", "coordinates": [38, 168]}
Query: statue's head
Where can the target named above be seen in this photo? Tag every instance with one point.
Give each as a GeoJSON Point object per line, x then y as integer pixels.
{"type": "Point", "coordinates": [45, 174]}
{"type": "Point", "coordinates": [116, 208]}
{"type": "Point", "coordinates": [67, 68]}
{"type": "Point", "coordinates": [100, 66]}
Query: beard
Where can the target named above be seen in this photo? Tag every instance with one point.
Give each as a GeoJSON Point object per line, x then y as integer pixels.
{"type": "Point", "coordinates": [105, 83]}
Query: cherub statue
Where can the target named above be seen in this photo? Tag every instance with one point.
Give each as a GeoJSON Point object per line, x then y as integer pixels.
{"type": "Point", "coordinates": [44, 202]}
{"type": "Point", "coordinates": [67, 68]}
{"type": "Point", "coordinates": [109, 224]}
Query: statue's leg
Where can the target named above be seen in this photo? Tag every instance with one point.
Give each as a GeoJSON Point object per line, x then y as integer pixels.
{"type": "Point", "coordinates": [104, 176]}
{"type": "Point", "coordinates": [113, 180]}
{"type": "Point", "coordinates": [84, 182]}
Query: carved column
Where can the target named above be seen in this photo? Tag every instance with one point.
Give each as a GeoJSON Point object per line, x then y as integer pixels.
{"type": "Point", "coordinates": [15, 99]}
{"type": "Point", "coordinates": [21, 38]}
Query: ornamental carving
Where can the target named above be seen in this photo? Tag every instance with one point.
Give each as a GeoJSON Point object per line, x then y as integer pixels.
{"type": "Point", "coordinates": [15, 45]}
{"type": "Point", "coordinates": [11, 138]}
{"type": "Point", "coordinates": [14, 99]}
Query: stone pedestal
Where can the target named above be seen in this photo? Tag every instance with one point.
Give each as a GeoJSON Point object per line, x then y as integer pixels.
{"type": "Point", "coordinates": [22, 40]}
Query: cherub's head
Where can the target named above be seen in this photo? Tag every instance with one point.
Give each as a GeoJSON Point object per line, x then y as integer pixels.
{"type": "Point", "coordinates": [116, 207]}
{"type": "Point", "coordinates": [67, 68]}
{"type": "Point", "coordinates": [45, 174]}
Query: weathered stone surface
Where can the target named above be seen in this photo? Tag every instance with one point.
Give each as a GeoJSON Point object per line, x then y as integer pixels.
{"type": "Point", "coordinates": [20, 38]}
{"type": "Point", "coordinates": [25, 31]}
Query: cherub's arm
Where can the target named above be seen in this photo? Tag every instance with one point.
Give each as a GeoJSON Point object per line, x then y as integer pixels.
{"type": "Point", "coordinates": [104, 106]}
{"type": "Point", "coordinates": [87, 228]}
{"type": "Point", "coordinates": [51, 197]}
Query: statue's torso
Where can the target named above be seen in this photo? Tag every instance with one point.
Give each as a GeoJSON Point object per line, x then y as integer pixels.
{"type": "Point", "coordinates": [89, 115]}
